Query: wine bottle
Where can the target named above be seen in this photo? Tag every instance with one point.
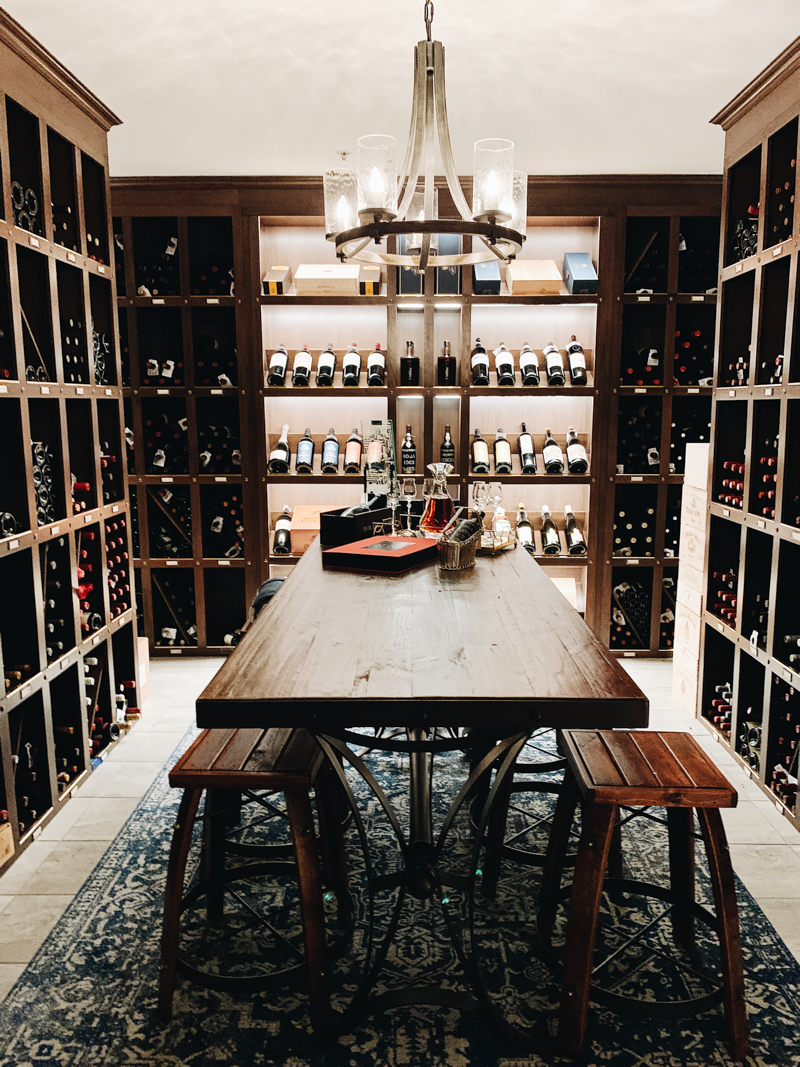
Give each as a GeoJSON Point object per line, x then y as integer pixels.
{"type": "Point", "coordinates": [330, 452]}
{"type": "Point", "coordinates": [554, 365]}
{"type": "Point", "coordinates": [524, 529]}
{"type": "Point", "coordinates": [552, 455]}
{"type": "Point", "coordinates": [575, 540]}
{"type": "Point", "coordinates": [281, 455]}
{"type": "Point", "coordinates": [376, 366]}
{"type": "Point", "coordinates": [304, 458]}
{"type": "Point", "coordinates": [479, 361]}
{"type": "Point", "coordinates": [504, 365]}
{"type": "Point", "coordinates": [577, 362]}
{"type": "Point", "coordinates": [502, 454]}
{"type": "Point", "coordinates": [480, 454]}
{"type": "Point", "coordinates": [551, 542]}
{"type": "Point", "coordinates": [446, 368]}
{"type": "Point", "coordinates": [326, 367]}
{"type": "Point", "coordinates": [352, 453]}
{"type": "Point", "coordinates": [277, 366]}
{"type": "Point", "coordinates": [408, 454]}
{"type": "Point", "coordinates": [282, 545]}
{"type": "Point", "coordinates": [528, 365]}
{"type": "Point", "coordinates": [409, 366]}
{"type": "Point", "coordinates": [301, 368]}
{"type": "Point", "coordinates": [447, 452]}
{"type": "Point", "coordinates": [577, 460]}
{"type": "Point", "coordinates": [527, 451]}
{"type": "Point", "coordinates": [466, 529]}
{"type": "Point", "coordinates": [351, 366]}
{"type": "Point", "coordinates": [375, 453]}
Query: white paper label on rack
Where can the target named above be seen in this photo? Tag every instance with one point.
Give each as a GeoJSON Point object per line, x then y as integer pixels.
{"type": "Point", "coordinates": [33, 242]}
{"type": "Point", "coordinates": [698, 299]}
{"type": "Point", "coordinates": [738, 268]}
{"type": "Point", "coordinates": [224, 562]}
{"type": "Point", "coordinates": [3, 388]}
{"type": "Point", "coordinates": [767, 392]}
{"type": "Point", "coordinates": [36, 832]}
{"type": "Point", "coordinates": [719, 627]}
{"type": "Point", "coordinates": [628, 653]}
{"type": "Point", "coordinates": [726, 512]}
{"type": "Point", "coordinates": [24, 692]}
{"type": "Point", "coordinates": [88, 518]}
{"type": "Point", "coordinates": [761, 524]}
{"type": "Point", "coordinates": [79, 390]}
{"type": "Point", "coordinates": [212, 300]}
{"type": "Point", "coordinates": [97, 639]}
{"type": "Point", "coordinates": [45, 388]}
{"type": "Point", "coordinates": [157, 300]}
{"type": "Point", "coordinates": [787, 675]}
{"type": "Point", "coordinates": [731, 392]}
{"type": "Point", "coordinates": [640, 390]}
{"type": "Point", "coordinates": [172, 563]}
{"type": "Point", "coordinates": [108, 392]}
{"type": "Point", "coordinates": [221, 478]}
{"type": "Point", "coordinates": [54, 529]}
{"type": "Point", "coordinates": [101, 268]}
{"type": "Point", "coordinates": [631, 562]}
{"type": "Point", "coordinates": [14, 544]}
{"type": "Point", "coordinates": [691, 390]}
{"type": "Point", "coordinates": [216, 392]}
{"type": "Point", "coordinates": [70, 257]}
{"type": "Point", "coordinates": [162, 392]}
{"type": "Point", "coordinates": [643, 299]}
{"type": "Point", "coordinates": [115, 508]}
{"type": "Point", "coordinates": [776, 251]}
{"type": "Point", "coordinates": [166, 479]}
{"type": "Point", "coordinates": [796, 535]}
{"type": "Point", "coordinates": [637, 477]}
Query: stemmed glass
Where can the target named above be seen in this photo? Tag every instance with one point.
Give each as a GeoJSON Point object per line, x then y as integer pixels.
{"type": "Point", "coordinates": [393, 499]}
{"type": "Point", "coordinates": [480, 496]}
{"type": "Point", "coordinates": [495, 494]}
{"type": "Point", "coordinates": [408, 490]}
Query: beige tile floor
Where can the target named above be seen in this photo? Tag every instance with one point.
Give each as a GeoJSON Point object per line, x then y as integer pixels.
{"type": "Point", "coordinates": [35, 891]}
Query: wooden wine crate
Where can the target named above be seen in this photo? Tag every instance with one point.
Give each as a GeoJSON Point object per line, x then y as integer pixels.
{"type": "Point", "coordinates": [696, 470]}
{"type": "Point", "coordinates": [692, 546]}
{"type": "Point", "coordinates": [694, 507]}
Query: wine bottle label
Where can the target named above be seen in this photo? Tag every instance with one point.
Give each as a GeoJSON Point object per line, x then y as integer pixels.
{"type": "Point", "coordinates": [447, 453]}
{"type": "Point", "coordinates": [525, 535]}
{"type": "Point", "coordinates": [553, 360]}
{"type": "Point", "coordinates": [276, 453]}
{"type": "Point", "coordinates": [480, 358]}
{"type": "Point", "coordinates": [330, 453]}
{"type": "Point", "coordinates": [408, 460]}
{"type": "Point", "coordinates": [551, 453]}
{"type": "Point", "coordinates": [376, 359]}
{"type": "Point", "coordinates": [302, 363]}
{"type": "Point", "coordinates": [327, 363]}
{"type": "Point", "coordinates": [575, 452]}
{"type": "Point", "coordinates": [351, 364]}
{"type": "Point", "coordinates": [352, 454]}
{"type": "Point", "coordinates": [375, 453]}
{"type": "Point", "coordinates": [278, 362]}
{"type": "Point", "coordinates": [652, 357]}
{"type": "Point", "coordinates": [528, 362]}
{"type": "Point", "coordinates": [283, 523]}
{"type": "Point", "coordinates": [502, 453]}
{"type": "Point", "coordinates": [480, 452]}
{"type": "Point", "coordinates": [504, 362]}
{"type": "Point", "coordinates": [525, 444]}
{"type": "Point", "coordinates": [305, 452]}
{"type": "Point", "coordinates": [577, 364]}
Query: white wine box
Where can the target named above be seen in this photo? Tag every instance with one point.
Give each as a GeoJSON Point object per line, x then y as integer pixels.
{"type": "Point", "coordinates": [696, 473]}
{"type": "Point", "coordinates": [323, 279]}
{"type": "Point", "coordinates": [694, 503]}
{"type": "Point", "coordinates": [688, 595]}
{"type": "Point", "coordinates": [685, 678]}
{"type": "Point", "coordinates": [533, 277]}
{"type": "Point", "coordinates": [143, 652]}
{"type": "Point", "coordinates": [692, 546]}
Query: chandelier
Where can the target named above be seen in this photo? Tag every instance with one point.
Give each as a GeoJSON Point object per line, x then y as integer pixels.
{"type": "Point", "coordinates": [365, 206]}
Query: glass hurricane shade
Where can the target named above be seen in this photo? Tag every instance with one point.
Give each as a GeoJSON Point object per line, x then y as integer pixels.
{"type": "Point", "coordinates": [341, 200]}
{"type": "Point", "coordinates": [519, 197]}
{"type": "Point", "coordinates": [416, 210]}
{"type": "Point", "coordinates": [492, 185]}
{"type": "Point", "coordinates": [376, 168]}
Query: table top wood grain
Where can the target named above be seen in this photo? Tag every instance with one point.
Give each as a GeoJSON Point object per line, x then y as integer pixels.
{"type": "Point", "coordinates": [496, 646]}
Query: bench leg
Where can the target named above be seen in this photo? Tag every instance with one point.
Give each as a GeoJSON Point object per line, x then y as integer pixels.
{"type": "Point", "coordinates": [298, 806]}
{"type": "Point", "coordinates": [557, 846]}
{"type": "Point", "coordinates": [681, 873]}
{"type": "Point", "coordinates": [173, 896]}
{"type": "Point", "coordinates": [214, 826]}
{"type": "Point", "coordinates": [730, 945]}
{"type": "Point", "coordinates": [584, 904]}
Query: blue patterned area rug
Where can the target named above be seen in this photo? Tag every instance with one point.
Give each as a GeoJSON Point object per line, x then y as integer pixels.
{"type": "Point", "coordinates": [88, 999]}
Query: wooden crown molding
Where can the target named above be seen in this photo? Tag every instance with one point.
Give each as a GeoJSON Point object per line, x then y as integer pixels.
{"type": "Point", "coordinates": [17, 38]}
{"type": "Point", "coordinates": [781, 68]}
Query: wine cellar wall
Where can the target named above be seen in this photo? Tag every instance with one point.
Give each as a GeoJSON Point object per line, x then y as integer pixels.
{"type": "Point", "coordinates": [654, 243]}
{"type": "Point", "coordinates": [67, 615]}
{"type": "Point", "coordinates": [749, 680]}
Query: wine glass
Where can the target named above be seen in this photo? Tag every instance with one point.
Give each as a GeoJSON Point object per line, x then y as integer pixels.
{"type": "Point", "coordinates": [393, 499]}
{"type": "Point", "coordinates": [495, 494]}
{"type": "Point", "coordinates": [408, 490]}
{"type": "Point", "coordinates": [479, 496]}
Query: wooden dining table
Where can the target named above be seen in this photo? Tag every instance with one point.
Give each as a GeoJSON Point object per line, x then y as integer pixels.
{"type": "Point", "coordinates": [475, 660]}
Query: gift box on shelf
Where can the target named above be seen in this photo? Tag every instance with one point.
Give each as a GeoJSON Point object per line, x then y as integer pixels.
{"type": "Point", "coordinates": [326, 279]}
{"type": "Point", "coordinates": [533, 277]}
{"type": "Point", "coordinates": [276, 281]}
{"type": "Point", "coordinates": [579, 273]}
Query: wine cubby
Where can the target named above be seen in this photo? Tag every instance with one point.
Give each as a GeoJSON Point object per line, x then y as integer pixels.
{"type": "Point", "coordinates": [166, 436]}
{"type": "Point", "coordinates": [8, 354]}
{"type": "Point", "coordinates": [82, 454]}
{"type": "Point", "coordinates": [57, 568]}
{"type": "Point", "coordinates": [35, 308]}
{"type": "Point", "coordinates": [67, 697]}
{"type": "Point", "coordinates": [25, 166]}
{"type": "Point", "coordinates": [691, 424]}
{"type": "Point", "coordinates": [635, 521]}
{"type": "Point", "coordinates": [63, 191]}
{"type": "Point", "coordinates": [647, 253]}
{"type": "Point", "coordinates": [639, 435]}
{"type": "Point", "coordinates": [631, 609]}
{"type": "Point", "coordinates": [174, 612]}
{"type": "Point", "coordinates": [20, 645]}
{"type": "Point", "coordinates": [112, 471]}
{"type": "Point", "coordinates": [118, 258]}
{"type": "Point", "coordinates": [95, 209]}
{"type": "Point", "coordinates": [756, 555]}
{"type": "Point", "coordinates": [693, 359]}
{"type": "Point", "coordinates": [72, 325]}
{"type": "Point", "coordinates": [698, 254]}
{"type": "Point", "coordinates": [666, 621]}
{"type": "Point", "coordinates": [672, 521]}
{"type": "Point", "coordinates": [222, 522]}
{"type": "Point", "coordinates": [225, 603]}
{"type": "Point", "coordinates": [643, 334]}
{"type": "Point", "coordinates": [47, 436]}
{"type": "Point", "coordinates": [14, 516]}
{"type": "Point", "coordinates": [210, 256]}
{"type": "Point", "coordinates": [124, 659]}
{"type": "Point", "coordinates": [214, 347]}
{"type": "Point", "coordinates": [102, 332]}
{"type": "Point", "coordinates": [155, 256]}
{"type": "Point", "coordinates": [169, 510]}
{"type": "Point", "coordinates": [124, 347]}
{"type": "Point", "coordinates": [32, 757]}
{"type": "Point", "coordinates": [160, 346]}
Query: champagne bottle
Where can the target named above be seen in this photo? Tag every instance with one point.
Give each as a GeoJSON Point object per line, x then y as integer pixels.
{"type": "Point", "coordinates": [304, 459]}
{"type": "Point", "coordinates": [376, 366]}
{"type": "Point", "coordinates": [554, 365]}
{"type": "Point", "coordinates": [465, 529]}
{"type": "Point", "coordinates": [575, 540]}
{"type": "Point", "coordinates": [282, 545]}
{"type": "Point", "coordinates": [479, 361]}
{"type": "Point", "coordinates": [446, 368]}
{"type": "Point", "coordinates": [552, 455]}
{"type": "Point", "coordinates": [352, 453]}
{"type": "Point", "coordinates": [301, 368]}
{"type": "Point", "coordinates": [504, 365]}
{"type": "Point", "coordinates": [577, 460]}
{"type": "Point", "coordinates": [524, 529]}
{"type": "Point", "coordinates": [480, 454]}
{"type": "Point", "coordinates": [409, 366]}
{"type": "Point", "coordinates": [551, 542]}
{"type": "Point", "coordinates": [351, 366]}
{"type": "Point", "coordinates": [330, 452]}
{"type": "Point", "coordinates": [408, 454]}
{"type": "Point", "coordinates": [281, 455]}
{"type": "Point", "coordinates": [447, 452]}
{"type": "Point", "coordinates": [528, 365]}
{"type": "Point", "coordinates": [527, 451]}
{"type": "Point", "coordinates": [326, 367]}
{"type": "Point", "coordinates": [277, 366]}
{"type": "Point", "coordinates": [502, 454]}
{"type": "Point", "coordinates": [577, 362]}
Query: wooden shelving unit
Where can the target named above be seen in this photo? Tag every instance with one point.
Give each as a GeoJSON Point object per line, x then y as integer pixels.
{"type": "Point", "coordinates": [753, 541]}
{"type": "Point", "coordinates": [67, 617]}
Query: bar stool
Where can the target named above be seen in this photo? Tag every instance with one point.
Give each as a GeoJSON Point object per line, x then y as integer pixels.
{"type": "Point", "coordinates": [228, 764]}
{"type": "Point", "coordinates": [609, 769]}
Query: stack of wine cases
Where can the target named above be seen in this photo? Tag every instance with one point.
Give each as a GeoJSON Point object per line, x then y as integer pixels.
{"type": "Point", "coordinates": [67, 611]}
{"type": "Point", "coordinates": [278, 221]}
{"type": "Point", "coordinates": [749, 641]}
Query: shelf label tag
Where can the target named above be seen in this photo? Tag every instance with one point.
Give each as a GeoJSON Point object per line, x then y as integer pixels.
{"type": "Point", "coordinates": [731, 392]}
{"type": "Point", "coordinates": [33, 242]}
{"type": "Point", "coordinates": [166, 479]}
{"type": "Point", "coordinates": [212, 300]}
{"type": "Point", "coordinates": [628, 653]}
{"type": "Point", "coordinates": [115, 508]}
{"type": "Point", "coordinates": [157, 300]}
{"type": "Point", "coordinates": [220, 479]}
{"type": "Point", "coordinates": [101, 268]}
{"type": "Point", "coordinates": [172, 563]}
{"type": "Point", "coordinates": [761, 523]}
{"type": "Point", "coordinates": [96, 639]}
{"type": "Point", "coordinates": [640, 390]}
{"type": "Point", "coordinates": [738, 268]}
{"type": "Point", "coordinates": [45, 388]}
{"type": "Point", "coordinates": [754, 640]}
{"type": "Point", "coordinates": [796, 535]}
{"type": "Point", "coordinates": [3, 388]}
{"type": "Point", "coordinates": [88, 518]}
{"type": "Point", "coordinates": [162, 392]}
{"type": "Point", "coordinates": [698, 299]}
{"type": "Point", "coordinates": [224, 562]}
{"type": "Point", "coordinates": [216, 392]}
{"type": "Point", "coordinates": [79, 390]}
{"type": "Point", "coordinates": [70, 257]}
{"type": "Point", "coordinates": [108, 392]}
{"type": "Point", "coordinates": [637, 477]}
{"type": "Point", "coordinates": [174, 652]}
{"type": "Point", "coordinates": [726, 512]}
{"type": "Point", "coordinates": [25, 692]}
{"type": "Point", "coordinates": [776, 251]}
{"type": "Point", "coordinates": [54, 529]}
{"type": "Point", "coordinates": [14, 544]}
{"type": "Point", "coordinates": [720, 628]}
{"type": "Point", "coordinates": [787, 675]}
{"type": "Point", "coordinates": [631, 562]}
{"type": "Point", "coordinates": [692, 390]}
{"type": "Point", "coordinates": [643, 299]}
{"type": "Point", "coordinates": [767, 392]}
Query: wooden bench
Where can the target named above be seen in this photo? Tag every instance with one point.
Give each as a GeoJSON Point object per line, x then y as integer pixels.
{"type": "Point", "coordinates": [228, 763]}
{"type": "Point", "coordinates": [612, 768]}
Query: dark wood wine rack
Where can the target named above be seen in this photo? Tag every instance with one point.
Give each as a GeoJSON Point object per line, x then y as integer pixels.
{"type": "Point", "coordinates": [65, 645]}
{"type": "Point", "coordinates": [757, 554]}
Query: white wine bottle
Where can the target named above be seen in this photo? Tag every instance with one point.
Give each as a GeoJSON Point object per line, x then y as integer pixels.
{"type": "Point", "coordinates": [326, 367]}
{"type": "Point", "coordinates": [480, 454]}
{"type": "Point", "coordinates": [502, 454]}
{"type": "Point", "coordinates": [301, 368]}
{"type": "Point", "coordinates": [282, 544]}
{"type": "Point", "coordinates": [504, 365]}
{"type": "Point", "coordinates": [577, 362]}
{"type": "Point", "coordinates": [527, 451]}
{"type": "Point", "coordinates": [577, 460]}
{"type": "Point", "coordinates": [351, 366]}
{"type": "Point", "coordinates": [551, 542]}
{"type": "Point", "coordinates": [479, 361]}
{"type": "Point", "coordinates": [524, 529]}
{"type": "Point", "coordinates": [281, 455]}
{"type": "Point", "coordinates": [376, 366]}
{"type": "Point", "coordinates": [554, 365]}
{"type": "Point", "coordinates": [576, 543]}
{"type": "Point", "coordinates": [552, 455]}
{"type": "Point", "coordinates": [277, 366]}
{"type": "Point", "coordinates": [330, 454]}
{"type": "Point", "coordinates": [352, 453]}
{"type": "Point", "coordinates": [528, 365]}
{"type": "Point", "coordinates": [304, 458]}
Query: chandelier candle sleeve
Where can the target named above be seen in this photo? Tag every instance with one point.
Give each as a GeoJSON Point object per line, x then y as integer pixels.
{"type": "Point", "coordinates": [377, 175]}
{"type": "Point", "coordinates": [341, 200]}
{"type": "Point", "coordinates": [492, 182]}
{"type": "Point", "coordinates": [519, 199]}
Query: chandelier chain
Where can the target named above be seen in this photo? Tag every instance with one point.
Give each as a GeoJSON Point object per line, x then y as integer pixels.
{"type": "Point", "coordinates": [428, 16]}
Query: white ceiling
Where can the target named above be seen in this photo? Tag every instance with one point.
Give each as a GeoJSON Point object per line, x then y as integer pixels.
{"type": "Point", "coordinates": [261, 87]}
